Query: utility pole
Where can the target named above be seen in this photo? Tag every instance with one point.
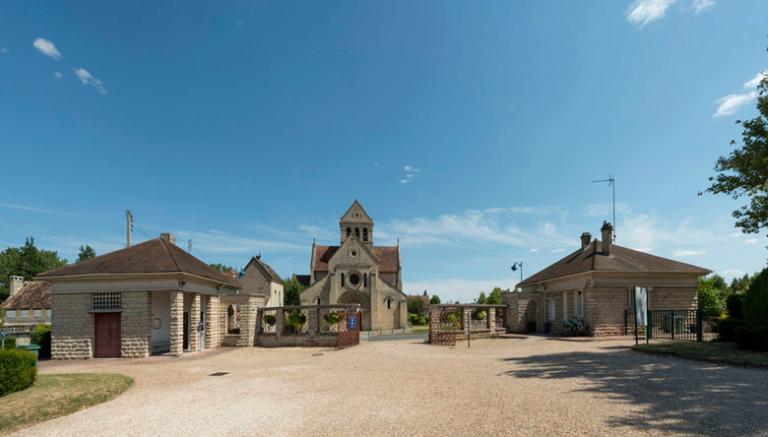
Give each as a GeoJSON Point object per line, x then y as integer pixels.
{"type": "Point", "coordinates": [612, 182]}
{"type": "Point", "coordinates": [128, 227]}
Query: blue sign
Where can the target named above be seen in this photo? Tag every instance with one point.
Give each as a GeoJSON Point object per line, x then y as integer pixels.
{"type": "Point", "coordinates": [352, 323]}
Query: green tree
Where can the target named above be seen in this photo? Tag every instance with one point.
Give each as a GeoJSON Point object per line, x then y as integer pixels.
{"type": "Point", "coordinates": [495, 297]}
{"type": "Point", "coordinates": [756, 301]}
{"type": "Point", "coordinates": [741, 285]}
{"type": "Point", "coordinates": [482, 299]}
{"type": "Point", "coordinates": [222, 268]}
{"type": "Point", "coordinates": [710, 301]}
{"type": "Point", "coordinates": [434, 300]}
{"type": "Point", "coordinates": [27, 261]}
{"type": "Point", "coordinates": [415, 305]}
{"type": "Point", "coordinates": [292, 289]}
{"type": "Point", "coordinates": [744, 173]}
{"type": "Point", "coordinates": [86, 252]}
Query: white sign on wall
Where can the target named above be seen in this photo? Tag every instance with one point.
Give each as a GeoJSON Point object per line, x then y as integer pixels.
{"type": "Point", "coordinates": [641, 305]}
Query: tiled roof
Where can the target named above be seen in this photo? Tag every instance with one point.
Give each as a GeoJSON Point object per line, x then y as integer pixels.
{"type": "Point", "coordinates": [303, 280]}
{"type": "Point", "coordinates": [154, 256]}
{"type": "Point", "coordinates": [388, 257]}
{"type": "Point", "coordinates": [621, 259]}
{"type": "Point", "coordinates": [34, 295]}
{"type": "Point", "coordinates": [273, 276]}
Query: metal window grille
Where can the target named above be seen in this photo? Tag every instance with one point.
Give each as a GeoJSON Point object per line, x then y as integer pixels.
{"type": "Point", "coordinates": [106, 301]}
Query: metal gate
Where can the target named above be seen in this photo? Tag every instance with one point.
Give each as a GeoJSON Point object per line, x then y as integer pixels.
{"type": "Point", "coordinates": [676, 325]}
{"type": "Point", "coordinates": [349, 330]}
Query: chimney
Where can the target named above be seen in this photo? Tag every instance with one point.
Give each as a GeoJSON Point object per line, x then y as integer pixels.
{"type": "Point", "coordinates": [16, 284]}
{"type": "Point", "coordinates": [586, 238]}
{"type": "Point", "coordinates": [607, 231]}
{"type": "Point", "coordinates": [168, 237]}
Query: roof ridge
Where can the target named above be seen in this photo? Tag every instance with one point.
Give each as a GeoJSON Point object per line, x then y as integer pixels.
{"type": "Point", "coordinates": [168, 249]}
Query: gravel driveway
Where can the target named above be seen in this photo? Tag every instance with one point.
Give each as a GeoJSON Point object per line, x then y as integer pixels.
{"type": "Point", "coordinates": [521, 386]}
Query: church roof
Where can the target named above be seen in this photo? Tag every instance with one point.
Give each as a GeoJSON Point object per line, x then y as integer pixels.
{"type": "Point", "coordinates": [388, 258]}
{"type": "Point", "coordinates": [356, 214]}
{"type": "Point", "coordinates": [621, 259]}
{"type": "Point", "coordinates": [153, 256]}
{"type": "Point", "coordinates": [34, 295]}
{"type": "Point", "coordinates": [271, 274]}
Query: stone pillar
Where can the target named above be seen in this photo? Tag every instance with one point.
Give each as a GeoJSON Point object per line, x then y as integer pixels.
{"type": "Point", "coordinates": [177, 323]}
{"type": "Point", "coordinates": [248, 312]}
{"type": "Point", "coordinates": [212, 314]}
{"type": "Point", "coordinates": [194, 322]}
{"type": "Point", "coordinates": [492, 320]}
{"type": "Point", "coordinates": [72, 326]}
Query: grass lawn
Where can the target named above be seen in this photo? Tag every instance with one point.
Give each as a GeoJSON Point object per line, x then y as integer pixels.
{"type": "Point", "coordinates": [57, 395]}
{"type": "Point", "coordinates": [712, 351]}
{"type": "Point", "coordinates": [419, 329]}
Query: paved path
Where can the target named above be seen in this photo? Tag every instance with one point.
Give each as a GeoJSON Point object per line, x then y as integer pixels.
{"type": "Point", "coordinates": [521, 386]}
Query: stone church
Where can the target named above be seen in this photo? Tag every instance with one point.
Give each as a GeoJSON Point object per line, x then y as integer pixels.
{"type": "Point", "coordinates": [357, 271]}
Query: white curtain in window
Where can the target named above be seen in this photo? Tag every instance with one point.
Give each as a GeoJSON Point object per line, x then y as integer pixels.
{"type": "Point", "coordinates": [641, 305]}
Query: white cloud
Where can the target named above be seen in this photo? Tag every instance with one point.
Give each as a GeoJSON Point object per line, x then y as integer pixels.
{"type": "Point", "coordinates": [453, 289]}
{"type": "Point", "coordinates": [755, 81]}
{"type": "Point", "coordinates": [751, 241]}
{"type": "Point", "coordinates": [223, 242]}
{"type": "Point", "coordinates": [729, 104]}
{"type": "Point", "coordinates": [3, 51]}
{"type": "Point", "coordinates": [730, 274]}
{"type": "Point", "coordinates": [410, 173]}
{"type": "Point", "coordinates": [702, 5]}
{"type": "Point", "coordinates": [87, 79]}
{"type": "Point", "coordinates": [58, 75]}
{"type": "Point", "coordinates": [47, 48]}
{"type": "Point", "coordinates": [558, 250]}
{"type": "Point", "coordinates": [642, 12]}
{"type": "Point", "coordinates": [687, 253]}
{"type": "Point", "coordinates": [24, 208]}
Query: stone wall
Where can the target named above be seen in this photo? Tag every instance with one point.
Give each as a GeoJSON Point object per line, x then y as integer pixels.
{"type": "Point", "coordinates": [72, 326]}
{"type": "Point", "coordinates": [248, 313]}
{"type": "Point", "coordinates": [673, 298]}
{"type": "Point", "coordinates": [177, 323]}
{"type": "Point", "coordinates": [212, 323]}
{"type": "Point", "coordinates": [135, 324]}
{"type": "Point", "coordinates": [604, 310]}
{"type": "Point", "coordinates": [194, 322]}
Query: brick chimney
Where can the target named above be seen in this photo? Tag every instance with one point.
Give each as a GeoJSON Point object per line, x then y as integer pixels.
{"type": "Point", "coordinates": [168, 237]}
{"type": "Point", "coordinates": [586, 238]}
{"type": "Point", "coordinates": [16, 284]}
{"type": "Point", "coordinates": [607, 241]}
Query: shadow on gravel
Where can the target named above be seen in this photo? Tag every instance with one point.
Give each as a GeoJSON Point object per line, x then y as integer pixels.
{"type": "Point", "coordinates": [669, 395]}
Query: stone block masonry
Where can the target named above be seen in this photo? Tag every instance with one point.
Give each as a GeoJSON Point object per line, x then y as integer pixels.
{"type": "Point", "coordinates": [194, 322]}
{"type": "Point", "coordinates": [72, 326]}
{"type": "Point", "coordinates": [212, 325]}
{"type": "Point", "coordinates": [136, 324]}
{"type": "Point", "coordinates": [177, 323]}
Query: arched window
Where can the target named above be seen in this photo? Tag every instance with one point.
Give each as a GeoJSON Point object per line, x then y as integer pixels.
{"type": "Point", "coordinates": [365, 234]}
{"type": "Point", "coordinates": [342, 279]}
{"type": "Point", "coordinates": [389, 303]}
{"type": "Point", "coordinates": [349, 231]}
{"type": "Point", "coordinates": [357, 232]}
{"type": "Point", "coordinates": [365, 279]}
{"type": "Point", "coordinates": [318, 301]}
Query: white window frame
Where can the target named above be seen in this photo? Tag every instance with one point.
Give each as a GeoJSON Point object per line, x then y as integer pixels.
{"type": "Point", "coordinates": [11, 314]}
{"type": "Point", "coordinates": [551, 309]}
{"type": "Point", "coordinates": [48, 314]}
{"type": "Point", "coordinates": [37, 313]}
{"type": "Point", "coordinates": [24, 314]}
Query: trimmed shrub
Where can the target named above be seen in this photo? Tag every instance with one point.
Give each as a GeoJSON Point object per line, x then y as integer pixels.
{"type": "Point", "coordinates": [734, 304]}
{"type": "Point", "coordinates": [41, 336]}
{"type": "Point", "coordinates": [752, 338]}
{"type": "Point", "coordinates": [9, 343]}
{"type": "Point", "coordinates": [18, 369]}
{"type": "Point", "coordinates": [726, 328]}
{"type": "Point", "coordinates": [756, 301]}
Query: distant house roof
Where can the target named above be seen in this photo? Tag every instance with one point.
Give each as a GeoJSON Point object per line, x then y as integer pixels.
{"type": "Point", "coordinates": [34, 294]}
{"type": "Point", "coordinates": [272, 275]}
{"type": "Point", "coordinates": [387, 256]}
{"type": "Point", "coordinates": [303, 280]}
{"type": "Point", "coordinates": [154, 256]}
{"type": "Point", "coordinates": [621, 259]}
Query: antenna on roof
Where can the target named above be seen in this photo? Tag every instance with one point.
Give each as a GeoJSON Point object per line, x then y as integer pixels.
{"type": "Point", "coordinates": [612, 182]}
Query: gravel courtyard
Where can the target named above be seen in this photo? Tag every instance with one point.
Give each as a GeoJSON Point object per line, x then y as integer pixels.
{"type": "Point", "coordinates": [520, 386]}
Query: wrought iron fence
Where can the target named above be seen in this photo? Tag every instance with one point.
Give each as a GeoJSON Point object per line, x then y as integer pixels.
{"type": "Point", "coordinates": [296, 321]}
{"type": "Point", "coordinates": [268, 321]}
{"type": "Point", "coordinates": [676, 325]}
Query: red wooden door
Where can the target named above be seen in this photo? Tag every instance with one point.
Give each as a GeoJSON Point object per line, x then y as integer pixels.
{"type": "Point", "coordinates": [107, 332]}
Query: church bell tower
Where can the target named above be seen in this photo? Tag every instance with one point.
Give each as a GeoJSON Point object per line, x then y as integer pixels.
{"type": "Point", "coordinates": [356, 222]}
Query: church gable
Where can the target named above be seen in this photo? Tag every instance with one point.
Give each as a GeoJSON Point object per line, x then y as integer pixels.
{"type": "Point", "coordinates": [356, 214]}
{"type": "Point", "coordinates": [352, 252]}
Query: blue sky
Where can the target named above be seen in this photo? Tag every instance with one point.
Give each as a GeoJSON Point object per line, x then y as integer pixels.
{"type": "Point", "coordinates": [470, 131]}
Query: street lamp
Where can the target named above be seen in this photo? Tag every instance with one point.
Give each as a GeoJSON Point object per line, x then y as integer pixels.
{"type": "Point", "coordinates": [518, 265]}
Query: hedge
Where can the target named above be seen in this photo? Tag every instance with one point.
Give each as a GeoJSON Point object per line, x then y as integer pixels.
{"type": "Point", "coordinates": [752, 338]}
{"type": "Point", "coordinates": [41, 336]}
{"type": "Point", "coordinates": [18, 369]}
{"type": "Point", "coordinates": [9, 343]}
